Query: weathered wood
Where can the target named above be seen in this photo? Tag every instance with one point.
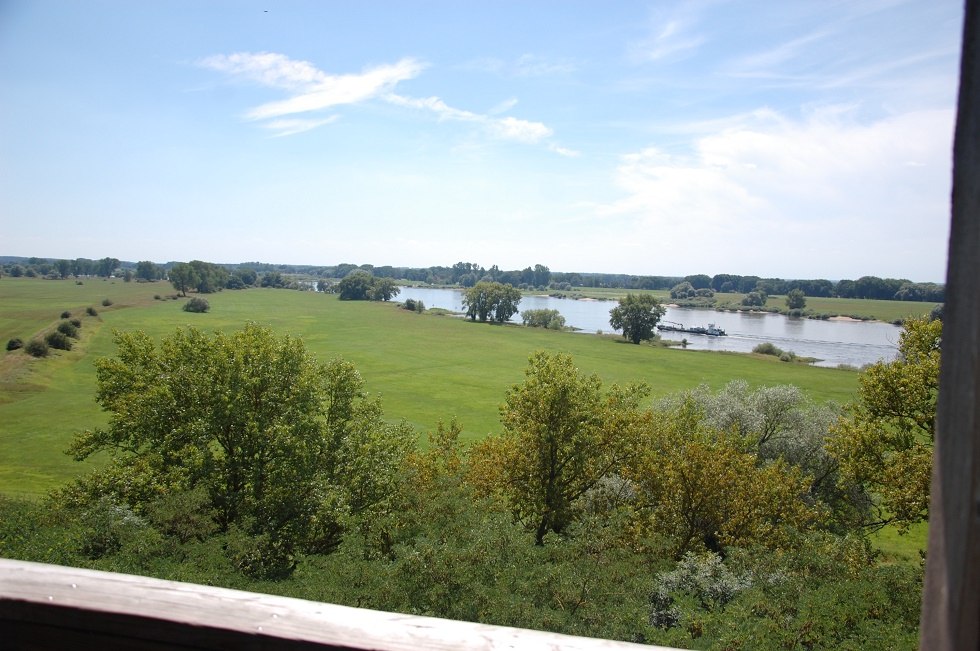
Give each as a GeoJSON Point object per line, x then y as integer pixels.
{"type": "Point", "coordinates": [53, 607]}
{"type": "Point", "coordinates": [951, 595]}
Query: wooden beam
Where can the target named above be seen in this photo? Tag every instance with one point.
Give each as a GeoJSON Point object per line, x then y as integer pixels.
{"type": "Point", "coordinates": [951, 595]}
{"type": "Point", "coordinates": [52, 607]}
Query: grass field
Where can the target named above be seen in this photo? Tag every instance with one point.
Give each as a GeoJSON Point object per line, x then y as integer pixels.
{"type": "Point", "coordinates": [427, 368]}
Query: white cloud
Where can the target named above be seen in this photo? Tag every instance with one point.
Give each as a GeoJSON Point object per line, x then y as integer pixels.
{"type": "Point", "coordinates": [872, 196]}
{"type": "Point", "coordinates": [313, 89]}
{"type": "Point", "coordinates": [288, 127]}
{"type": "Point", "coordinates": [507, 128]}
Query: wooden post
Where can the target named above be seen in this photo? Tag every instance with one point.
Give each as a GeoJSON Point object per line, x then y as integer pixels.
{"type": "Point", "coordinates": [951, 596]}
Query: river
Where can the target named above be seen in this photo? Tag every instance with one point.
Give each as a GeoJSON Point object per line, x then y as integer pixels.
{"type": "Point", "coordinates": [832, 342]}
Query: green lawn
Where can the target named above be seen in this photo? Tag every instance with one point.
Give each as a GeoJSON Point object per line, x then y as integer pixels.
{"type": "Point", "coordinates": [427, 368]}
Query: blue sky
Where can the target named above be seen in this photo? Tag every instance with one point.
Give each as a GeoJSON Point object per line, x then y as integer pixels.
{"type": "Point", "coordinates": [793, 139]}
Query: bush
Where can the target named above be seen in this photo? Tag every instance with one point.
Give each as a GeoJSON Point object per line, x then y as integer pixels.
{"type": "Point", "coordinates": [36, 348]}
{"type": "Point", "coordinates": [768, 349]}
{"type": "Point", "coordinates": [76, 322]}
{"type": "Point", "coordinates": [68, 329]}
{"type": "Point", "coordinates": [66, 314]}
{"type": "Point", "coordinates": [106, 302]}
{"type": "Point", "coordinates": [14, 344]}
{"type": "Point", "coordinates": [58, 340]}
{"type": "Point", "coordinates": [91, 311]}
{"type": "Point", "coordinates": [157, 297]}
{"type": "Point", "coordinates": [197, 304]}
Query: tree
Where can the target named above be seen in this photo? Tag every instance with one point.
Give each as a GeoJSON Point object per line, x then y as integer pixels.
{"type": "Point", "coordinates": [885, 440]}
{"type": "Point", "coordinates": [182, 277]}
{"type": "Point", "coordinates": [551, 319]}
{"type": "Point", "coordinates": [355, 286]}
{"type": "Point", "coordinates": [383, 289]}
{"type": "Point", "coordinates": [146, 270]}
{"type": "Point", "coordinates": [106, 266]}
{"type": "Point", "coordinates": [755, 298]}
{"type": "Point", "coordinates": [63, 267]}
{"type": "Point", "coordinates": [282, 445]}
{"type": "Point", "coordinates": [636, 315]}
{"type": "Point", "coordinates": [796, 299]}
{"type": "Point", "coordinates": [562, 435]}
{"type": "Point", "coordinates": [491, 301]}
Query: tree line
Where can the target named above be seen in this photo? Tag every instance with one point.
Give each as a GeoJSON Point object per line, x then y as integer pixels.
{"type": "Point", "coordinates": [715, 519]}
{"type": "Point", "coordinates": [468, 274]}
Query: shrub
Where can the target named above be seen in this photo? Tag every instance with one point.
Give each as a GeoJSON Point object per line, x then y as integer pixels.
{"type": "Point", "coordinates": [197, 304]}
{"type": "Point", "coordinates": [91, 311]}
{"type": "Point", "coordinates": [66, 314]}
{"type": "Point", "coordinates": [68, 329]}
{"type": "Point", "coordinates": [36, 348]}
{"type": "Point", "coordinates": [768, 348]}
{"type": "Point", "coordinates": [14, 344]}
{"type": "Point", "coordinates": [58, 340]}
{"type": "Point", "coordinates": [106, 302]}
{"type": "Point", "coordinates": [76, 322]}
{"type": "Point", "coordinates": [157, 297]}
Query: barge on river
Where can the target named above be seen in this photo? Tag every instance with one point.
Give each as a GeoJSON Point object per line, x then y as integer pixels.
{"type": "Point", "coordinates": [712, 330]}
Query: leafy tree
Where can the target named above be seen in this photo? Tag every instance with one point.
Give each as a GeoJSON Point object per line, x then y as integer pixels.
{"type": "Point", "coordinates": [63, 267]}
{"type": "Point", "coordinates": [183, 277]}
{"type": "Point", "coordinates": [755, 298]}
{"type": "Point", "coordinates": [796, 299]}
{"type": "Point", "coordinates": [355, 286]}
{"type": "Point", "coordinates": [208, 277]}
{"type": "Point", "coordinates": [106, 266]}
{"type": "Point", "coordinates": [279, 443]}
{"type": "Point", "coordinates": [491, 301]}
{"type": "Point", "coordinates": [701, 488]}
{"type": "Point", "coordinates": [550, 319]}
{"type": "Point", "coordinates": [636, 315]}
{"type": "Point", "coordinates": [683, 290]}
{"type": "Point", "coordinates": [562, 434]}
{"type": "Point", "coordinates": [147, 270]}
{"type": "Point", "coordinates": [885, 440]}
{"type": "Point", "coordinates": [383, 289]}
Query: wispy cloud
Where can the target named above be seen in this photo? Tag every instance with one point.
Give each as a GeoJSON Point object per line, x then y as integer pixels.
{"type": "Point", "coordinates": [506, 128]}
{"type": "Point", "coordinates": [313, 90]}
{"type": "Point", "coordinates": [674, 33]}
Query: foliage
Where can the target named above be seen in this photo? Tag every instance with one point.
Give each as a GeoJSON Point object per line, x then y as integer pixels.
{"type": "Point", "coordinates": [68, 329]}
{"type": "Point", "coordinates": [796, 299]}
{"type": "Point", "coordinates": [755, 299]}
{"type": "Point", "coordinates": [550, 319]}
{"type": "Point", "coordinates": [91, 311]}
{"type": "Point", "coordinates": [58, 339]}
{"type": "Point", "coordinates": [15, 343]}
{"type": "Point", "coordinates": [249, 418]}
{"type": "Point", "coordinates": [413, 305]}
{"type": "Point", "coordinates": [491, 301]}
{"type": "Point", "coordinates": [183, 277]}
{"type": "Point", "coordinates": [562, 434]}
{"type": "Point", "coordinates": [361, 285]}
{"type": "Point", "coordinates": [106, 302]}
{"type": "Point", "coordinates": [885, 440]}
{"type": "Point", "coordinates": [637, 316]}
{"type": "Point", "coordinates": [66, 314]}
{"type": "Point", "coordinates": [37, 348]}
{"type": "Point", "coordinates": [197, 304]}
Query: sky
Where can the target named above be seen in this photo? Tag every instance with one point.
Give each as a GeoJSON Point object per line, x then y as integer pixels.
{"type": "Point", "coordinates": [796, 139]}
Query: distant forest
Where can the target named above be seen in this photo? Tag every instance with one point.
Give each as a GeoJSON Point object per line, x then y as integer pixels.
{"type": "Point", "coordinates": [467, 274]}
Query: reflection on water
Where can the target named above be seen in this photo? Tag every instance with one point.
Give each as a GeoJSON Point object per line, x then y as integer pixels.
{"type": "Point", "coordinates": [833, 342]}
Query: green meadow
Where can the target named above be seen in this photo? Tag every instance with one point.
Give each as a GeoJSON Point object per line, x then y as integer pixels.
{"type": "Point", "coordinates": [426, 367]}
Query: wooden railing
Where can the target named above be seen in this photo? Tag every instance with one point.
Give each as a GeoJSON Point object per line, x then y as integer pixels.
{"type": "Point", "coordinates": [53, 607]}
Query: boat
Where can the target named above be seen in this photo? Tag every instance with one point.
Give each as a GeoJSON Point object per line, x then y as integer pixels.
{"type": "Point", "coordinates": [712, 330]}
